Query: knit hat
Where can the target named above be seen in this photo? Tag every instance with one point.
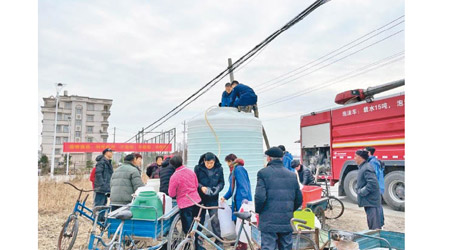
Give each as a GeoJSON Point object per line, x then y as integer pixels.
{"type": "Point", "coordinates": [282, 148]}
{"type": "Point", "coordinates": [274, 152]}
{"type": "Point", "coordinates": [363, 153]}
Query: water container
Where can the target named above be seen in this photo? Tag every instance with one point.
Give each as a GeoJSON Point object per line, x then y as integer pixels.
{"type": "Point", "coordinates": [144, 188]}
{"type": "Point", "coordinates": [147, 198]}
{"type": "Point", "coordinates": [166, 201]}
{"type": "Point", "coordinates": [153, 183]}
{"type": "Point", "coordinates": [234, 132]}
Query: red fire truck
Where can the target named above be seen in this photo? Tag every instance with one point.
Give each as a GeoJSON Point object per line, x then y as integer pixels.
{"type": "Point", "coordinates": [330, 138]}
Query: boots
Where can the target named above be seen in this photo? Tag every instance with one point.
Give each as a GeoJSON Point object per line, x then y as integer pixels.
{"type": "Point", "coordinates": [241, 246]}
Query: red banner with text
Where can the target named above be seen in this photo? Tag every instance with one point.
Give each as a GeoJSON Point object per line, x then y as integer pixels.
{"type": "Point", "coordinates": [87, 147]}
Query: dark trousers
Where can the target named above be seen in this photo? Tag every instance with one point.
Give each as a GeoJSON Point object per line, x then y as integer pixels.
{"type": "Point", "coordinates": [270, 241]}
{"type": "Point", "coordinates": [100, 199]}
{"type": "Point", "coordinates": [187, 218]}
{"type": "Point", "coordinates": [215, 224]}
{"type": "Point", "coordinates": [373, 217]}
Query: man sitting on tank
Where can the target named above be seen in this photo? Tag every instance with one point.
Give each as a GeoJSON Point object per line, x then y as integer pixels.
{"type": "Point", "coordinates": [247, 98]}
{"type": "Point", "coordinates": [226, 96]}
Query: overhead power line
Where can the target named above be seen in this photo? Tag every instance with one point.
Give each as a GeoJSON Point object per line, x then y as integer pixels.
{"type": "Point", "coordinates": [333, 62]}
{"type": "Point", "coordinates": [363, 70]}
{"type": "Point", "coordinates": [338, 49]}
{"type": "Point", "coordinates": [235, 65]}
{"type": "Point", "coordinates": [275, 84]}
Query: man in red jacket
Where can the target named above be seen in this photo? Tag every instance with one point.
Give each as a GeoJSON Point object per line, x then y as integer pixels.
{"type": "Point", "coordinates": [92, 177]}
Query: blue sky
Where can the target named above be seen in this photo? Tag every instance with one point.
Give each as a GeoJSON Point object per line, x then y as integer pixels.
{"type": "Point", "coordinates": [148, 56]}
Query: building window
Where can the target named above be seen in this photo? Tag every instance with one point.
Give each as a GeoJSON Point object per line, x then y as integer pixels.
{"type": "Point", "coordinates": [79, 110]}
{"type": "Point", "coordinates": [57, 151]}
{"type": "Point", "coordinates": [68, 105]}
{"type": "Point", "coordinates": [90, 118]}
{"type": "Point", "coordinates": [90, 139]}
{"type": "Point", "coordinates": [105, 139]}
{"type": "Point", "coordinates": [90, 107]}
{"type": "Point", "coordinates": [65, 139]}
{"type": "Point", "coordinates": [78, 122]}
{"type": "Point", "coordinates": [58, 128]}
{"type": "Point", "coordinates": [77, 134]}
{"type": "Point", "coordinates": [106, 108]}
{"type": "Point", "coordinates": [67, 117]}
{"type": "Point", "coordinates": [90, 129]}
{"type": "Point", "coordinates": [66, 129]}
{"type": "Point", "coordinates": [60, 117]}
{"type": "Point", "coordinates": [58, 140]}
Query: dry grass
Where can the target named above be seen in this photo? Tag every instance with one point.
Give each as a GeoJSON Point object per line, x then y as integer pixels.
{"type": "Point", "coordinates": [56, 197]}
{"type": "Point", "coordinates": [55, 202]}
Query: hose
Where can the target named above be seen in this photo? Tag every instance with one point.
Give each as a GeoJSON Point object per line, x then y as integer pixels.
{"type": "Point", "coordinates": [212, 130]}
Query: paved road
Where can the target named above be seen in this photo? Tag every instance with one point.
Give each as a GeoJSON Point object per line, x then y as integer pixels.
{"type": "Point", "coordinates": [349, 204]}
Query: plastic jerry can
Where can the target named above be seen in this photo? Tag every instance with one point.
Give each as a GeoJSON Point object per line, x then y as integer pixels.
{"type": "Point", "coordinates": [147, 198]}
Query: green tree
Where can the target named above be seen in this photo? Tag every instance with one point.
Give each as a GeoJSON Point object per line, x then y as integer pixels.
{"type": "Point", "coordinates": [70, 160]}
{"type": "Point", "coordinates": [89, 164]}
{"type": "Point", "coordinates": [43, 163]}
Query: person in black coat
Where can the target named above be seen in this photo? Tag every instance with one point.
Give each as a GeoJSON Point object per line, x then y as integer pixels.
{"type": "Point", "coordinates": [102, 183]}
{"type": "Point", "coordinates": [304, 174]}
{"type": "Point", "coordinates": [209, 173]}
{"type": "Point", "coordinates": [165, 173]}
{"type": "Point", "coordinates": [277, 196]}
{"type": "Point", "coordinates": [368, 190]}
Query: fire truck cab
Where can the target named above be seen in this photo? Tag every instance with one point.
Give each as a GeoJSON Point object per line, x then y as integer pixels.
{"type": "Point", "coordinates": [329, 139]}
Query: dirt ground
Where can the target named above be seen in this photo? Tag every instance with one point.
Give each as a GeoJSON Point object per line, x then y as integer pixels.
{"type": "Point", "coordinates": [56, 202]}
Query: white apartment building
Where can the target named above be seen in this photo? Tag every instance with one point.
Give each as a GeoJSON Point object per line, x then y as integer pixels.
{"type": "Point", "coordinates": [80, 119]}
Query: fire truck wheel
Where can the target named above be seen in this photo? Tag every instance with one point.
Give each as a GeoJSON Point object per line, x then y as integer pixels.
{"type": "Point", "coordinates": [394, 190]}
{"type": "Point", "coordinates": [350, 185]}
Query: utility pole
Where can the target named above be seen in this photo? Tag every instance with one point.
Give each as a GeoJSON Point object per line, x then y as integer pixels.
{"type": "Point", "coordinates": [68, 140]}
{"type": "Point", "coordinates": [184, 143]}
{"type": "Point", "coordinates": [230, 70]}
{"type": "Point", "coordinates": [142, 153]}
{"type": "Point", "coordinates": [59, 86]}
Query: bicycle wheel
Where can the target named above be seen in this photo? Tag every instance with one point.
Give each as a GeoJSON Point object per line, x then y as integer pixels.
{"type": "Point", "coordinates": [335, 208]}
{"type": "Point", "coordinates": [68, 233]}
{"type": "Point", "coordinates": [302, 242]}
{"type": "Point", "coordinates": [176, 234]}
{"type": "Point", "coordinates": [186, 244]}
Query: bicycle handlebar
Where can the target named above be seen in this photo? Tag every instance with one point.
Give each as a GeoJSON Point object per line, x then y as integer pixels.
{"type": "Point", "coordinates": [201, 206]}
{"type": "Point", "coordinates": [302, 224]}
{"type": "Point", "coordinates": [81, 190]}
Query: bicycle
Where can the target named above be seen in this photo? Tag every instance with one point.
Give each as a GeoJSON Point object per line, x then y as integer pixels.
{"type": "Point", "coordinates": [189, 241]}
{"type": "Point", "coordinates": [335, 207]}
{"type": "Point", "coordinates": [300, 236]}
{"type": "Point", "coordinates": [118, 241]}
{"type": "Point", "coordinates": [69, 230]}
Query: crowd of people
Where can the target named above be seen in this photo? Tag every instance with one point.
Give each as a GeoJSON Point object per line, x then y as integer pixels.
{"type": "Point", "coordinates": [277, 194]}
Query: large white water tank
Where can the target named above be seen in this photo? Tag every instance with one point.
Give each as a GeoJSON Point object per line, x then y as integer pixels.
{"type": "Point", "coordinates": [228, 131]}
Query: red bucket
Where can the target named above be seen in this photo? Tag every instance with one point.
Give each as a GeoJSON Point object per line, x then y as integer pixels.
{"type": "Point", "coordinates": [311, 193]}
